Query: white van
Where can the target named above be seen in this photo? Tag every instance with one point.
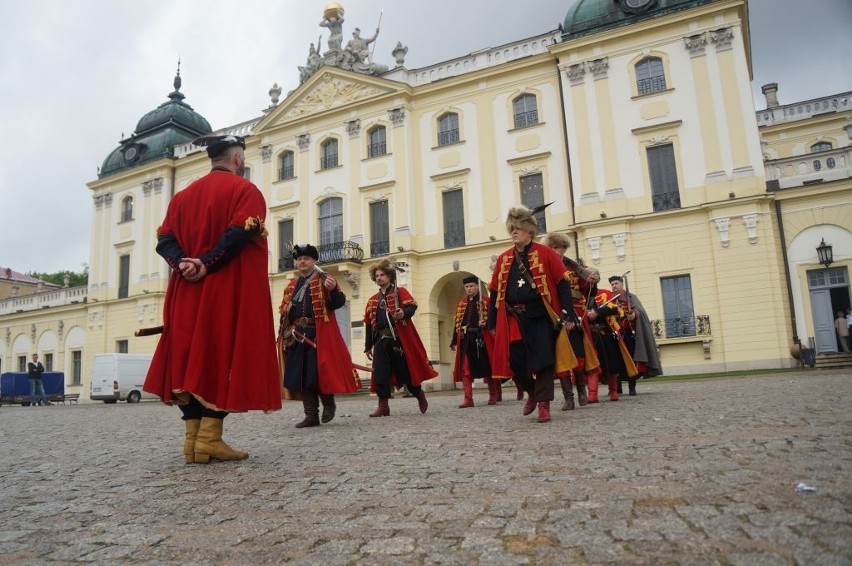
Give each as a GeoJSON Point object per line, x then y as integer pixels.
{"type": "Point", "coordinates": [119, 377]}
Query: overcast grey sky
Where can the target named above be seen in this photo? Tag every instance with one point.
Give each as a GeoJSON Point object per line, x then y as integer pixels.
{"type": "Point", "coordinates": [75, 76]}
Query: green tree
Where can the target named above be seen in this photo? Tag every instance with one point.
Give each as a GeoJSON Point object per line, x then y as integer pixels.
{"type": "Point", "coordinates": [75, 279]}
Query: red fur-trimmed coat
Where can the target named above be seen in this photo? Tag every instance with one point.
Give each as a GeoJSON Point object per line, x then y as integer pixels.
{"type": "Point", "coordinates": [546, 270]}
{"type": "Point", "coordinates": [335, 373]}
{"type": "Point", "coordinates": [460, 339]}
{"type": "Point", "coordinates": [409, 339]}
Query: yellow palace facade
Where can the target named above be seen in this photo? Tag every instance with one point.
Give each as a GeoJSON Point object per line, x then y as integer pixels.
{"type": "Point", "coordinates": [634, 118]}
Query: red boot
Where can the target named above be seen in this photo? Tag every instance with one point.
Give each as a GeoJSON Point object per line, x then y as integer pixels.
{"type": "Point", "coordinates": [492, 390]}
{"type": "Point", "coordinates": [498, 387]}
{"type": "Point", "coordinates": [612, 384]}
{"type": "Point", "coordinates": [529, 406]}
{"type": "Point", "coordinates": [592, 382]}
{"type": "Point", "coordinates": [544, 412]}
{"type": "Point", "coordinates": [423, 404]}
{"type": "Point", "coordinates": [468, 393]}
{"type": "Point", "coordinates": [383, 410]}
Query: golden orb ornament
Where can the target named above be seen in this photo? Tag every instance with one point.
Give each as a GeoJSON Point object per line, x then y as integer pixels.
{"type": "Point", "coordinates": [332, 10]}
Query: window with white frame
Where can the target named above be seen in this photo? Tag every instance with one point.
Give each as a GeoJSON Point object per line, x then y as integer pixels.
{"type": "Point", "coordinates": [287, 166]}
{"type": "Point", "coordinates": [453, 219]}
{"type": "Point", "coordinates": [650, 75]}
{"type": "Point", "coordinates": [377, 142]}
{"type": "Point", "coordinates": [677, 306]}
{"type": "Point", "coordinates": [330, 228]}
{"type": "Point", "coordinates": [532, 195]}
{"type": "Point", "coordinates": [379, 229]}
{"type": "Point", "coordinates": [448, 129]}
{"type": "Point", "coordinates": [285, 245]}
{"type": "Point", "coordinates": [328, 154]}
{"type": "Point", "coordinates": [662, 171]}
{"type": "Point", "coordinates": [126, 209]}
{"type": "Point", "coordinates": [525, 110]}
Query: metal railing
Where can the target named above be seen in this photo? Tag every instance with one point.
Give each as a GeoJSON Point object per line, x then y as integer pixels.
{"type": "Point", "coordinates": [448, 137]}
{"type": "Point", "coordinates": [666, 201]}
{"type": "Point", "coordinates": [649, 85]}
{"type": "Point", "coordinates": [379, 248]}
{"type": "Point", "coordinates": [528, 118]}
{"type": "Point", "coordinates": [682, 327]}
{"type": "Point", "coordinates": [340, 251]}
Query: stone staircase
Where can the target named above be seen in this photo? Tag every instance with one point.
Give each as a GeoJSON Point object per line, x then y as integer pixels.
{"type": "Point", "coordinates": [833, 360]}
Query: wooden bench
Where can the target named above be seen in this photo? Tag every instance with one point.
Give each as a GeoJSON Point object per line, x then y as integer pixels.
{"type": "Point", "coordinates": [71, 398]}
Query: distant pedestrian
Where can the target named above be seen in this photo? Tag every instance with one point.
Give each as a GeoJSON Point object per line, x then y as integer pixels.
{"type": "Point", "coordinates": [842, 332]}
{"type": "Point", "coordinates": [37, 395]}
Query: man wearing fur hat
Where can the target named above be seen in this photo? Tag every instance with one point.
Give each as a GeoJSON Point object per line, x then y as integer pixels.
{"type": "Point", "coordinates": [583, 283]}
{"type": "Point", "coordinates": [528, 290]}
{"type": "Point", "coordinates": [474, 344]}
{"type": "Point", "coordinates": [393, 343]}
{"type": "Point", "coordinates": [317, 363]}
{"type": "Point", "coordinates": [217, 351]}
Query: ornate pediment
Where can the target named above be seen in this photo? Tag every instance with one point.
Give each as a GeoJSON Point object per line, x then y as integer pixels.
{"type": "Point", "coordinates": [330, 90]}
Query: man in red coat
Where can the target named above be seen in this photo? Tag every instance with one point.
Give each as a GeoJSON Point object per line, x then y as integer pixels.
{"type": "Point", "coordinates": [320, 366]}
{"type": "Point", "coordinates": [392, 340]}
{"type": "Point", "coordinates": [217, 352]}
{"type": "Point", "coordinates": [472, 344]}
{"type": "Point", "coordinates": [528, 288]}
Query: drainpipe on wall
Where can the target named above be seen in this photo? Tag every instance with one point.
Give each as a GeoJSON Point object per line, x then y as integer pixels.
{"type": "Point", "coordinates": [786, 270]}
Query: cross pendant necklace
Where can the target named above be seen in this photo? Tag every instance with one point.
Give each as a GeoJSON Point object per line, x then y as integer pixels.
{"type": "Point", "coordinates": [521, 283]}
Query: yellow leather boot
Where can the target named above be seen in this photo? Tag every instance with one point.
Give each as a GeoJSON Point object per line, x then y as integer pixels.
{"type": "Point", "coordinates": [209, 443]}
{"type": "Point", "coordinates": [189, 444]}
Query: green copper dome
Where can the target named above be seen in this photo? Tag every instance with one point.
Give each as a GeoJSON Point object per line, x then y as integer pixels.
{"type": "Point", "coordinates": [173, 122]}
{"type": "Point", "coordinates": [585, 17]}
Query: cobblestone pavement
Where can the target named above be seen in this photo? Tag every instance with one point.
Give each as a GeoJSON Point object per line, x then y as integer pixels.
{"type": "Point", "coordinates": [687, 472]}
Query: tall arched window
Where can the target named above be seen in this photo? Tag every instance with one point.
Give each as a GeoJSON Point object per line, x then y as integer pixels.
{"type": "Point", "coordinates": [525, 110]}
{"type": "Point", "coordinates": [287, 166]}
{"type": "Point", "coordinates": [329, 154]}
{"type": "Point", "coordinates": [126, 209]}
{"type": "Point", "coordinates": [650, 75]}
{"type": "Point", "coordinates": [330, 228]}
{"type": "Point", "coordinates": [448, 128]}
{"type": "Point", "coordinates": [377, 144]}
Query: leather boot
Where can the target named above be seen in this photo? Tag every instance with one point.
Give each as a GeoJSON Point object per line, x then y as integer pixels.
{"type": "Point", "coordinates": [492, 390]}
{"type": "Point", "coordinates": [468, 394]}
{"type": "Point", "coordinates": [423, 404]}
{"type": "Point", "coordinates": [529, 406]}
{"type": "Point", "coordinates": [568, 393]}
{"type": "Point", "coordinates": [210, 446]}
{"type": "Point", "coordinates": [189, 443]}
{"type": "Point", "coordinates": [329, 408]}
{"type": "Point", "coordinates": [582, 398]}
{"type": "Point", "coordinates": [612, 385]}
{"type": "Point", "coordinates": [310, 402]}
{"type": "Point", "coordinates": [520, 390]}
{"type": "Point", "coordinates": [498, 387]}
{"type": "Point", "coordinates": [618, 386]}
{"type": "Point", "coordinates": [631, 386]}
{"type": "Point", "coordinates": [592, 380]}
{"type": "Point", "coordinates": [544, 412]}
{"type": "Point", "coordinates": [383, 410]}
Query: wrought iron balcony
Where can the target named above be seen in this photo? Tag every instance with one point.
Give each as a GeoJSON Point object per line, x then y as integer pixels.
{"type": "Point", "coordinates": [340, 251]}
{"type": "Point", "coordinates": [379, 248]}
{"type": "Point", "coordinates": [682, 327]}
{"type": "Point", "coordinates": [666, 201]}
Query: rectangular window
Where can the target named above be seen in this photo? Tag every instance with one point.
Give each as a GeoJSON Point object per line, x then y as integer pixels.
{"type": "Point", "coordinates": [662, 170]}
{"type": "Point", "coordinates": [22, 363]}
{"type": "Point", "coordinates": [48, 362]}
{"type": "Point", "coordinates": [378, 142]}
{"type": "Point", "coordinates": [288, 166]}
{"type": "Point", "coordinates": [76, 367]}
{"type": "Point", "coordinates": [331, 230]}
{"type": "Point", "coordinates": [379, 229]}
{"type": "Point", "coordinates": [285, 245]}
{"type": "Point", "coordinates": [453, 219]}
{"type": "Point", "coordinates": [123, 276]}
{"type": "Point", "coordinates": [448, 129]}
{"type": "Point", "coordinates": [677, 306]}
{"type": "Point", "coordinates": [532, 195]}
{"type": "Point", "coordinates": [121, 347]}
{"type": "Point", "coordinates": [329, 155]}
{"type": "Point", "coordinates": [247, 173]}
